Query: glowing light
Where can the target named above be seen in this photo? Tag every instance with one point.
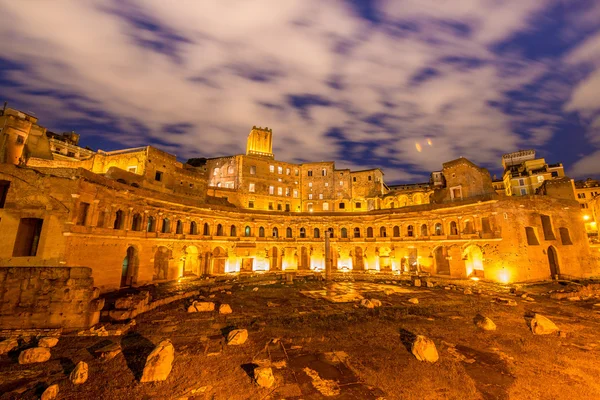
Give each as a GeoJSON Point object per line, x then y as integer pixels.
{"type": "Point", "coordinates": [418, 147]}
{"type": "Point", "coordinates": [474, 278]}
{"type": "Point", "coordinates": [503, 276]}
{"type": "Point", "coordinates": [429, 142]}
{"type": "Point", "coordinates": [586, 217]}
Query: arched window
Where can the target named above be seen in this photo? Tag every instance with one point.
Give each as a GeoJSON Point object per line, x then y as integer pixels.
{"type": "Point", "coordinates": [410, 232]}
{"type": "Point", "coordinates": [330, 230]}
{"type": "Point", "coordinates": [261, 232]}
{"type": "Point", "coordinates": [166, 226]}
{"type": "Point", "coordinates": [118, 220]}
{"type": "Point", "coordinates": [179, 227]}
{"type": "Point", "coordinates": [382, 232]}
{"type": "Point", "coordinates": [453, 228]}
{"type": "Point", "coordinates": [438, 229]}
{"type": "Point", "coordinates": [247, 231]}
{"type": "Point", "coordinates": [193, 228]}
{"type": "Point", "coordinates": [357, 232]}
{"type": "Point", "coordinates": [344, 233]}
{"type": "Point", "coordinates": [317, 233]}
{"type": "Point", "coordinates": [136, 222]}
{"type": "Point", "coordinates": [302, 233]}
{"type": "Point", "coordinates": [469, 227]}
{"type": "Point", "coordinates": [369, 232]}
{"type": "Point", "coordinates": [396, 231]}
{"type": "Point", "coordinates": [275, 232]}
{"type": "Point", "coordinates": [233, 231]}
{"type": "Point", "coordinates": [151, 227]}
{"type": "Point", "coordinates": [206, 231]}
{"type": "Point", "coordinates": [288, 232]}
{"type": "Point", "coordinates": [424, 231]}
{"type": "Point", "coordinates": [219, 230]}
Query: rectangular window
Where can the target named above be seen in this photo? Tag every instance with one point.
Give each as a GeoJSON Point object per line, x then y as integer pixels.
{"type": "Point", "coordinates": [581, 195]}
{"type": "Point", "coordinates": [324, 172]}
{"type": "Point", "coordinates": [547, 227]}
{"type": "Point", "coordinates": [521, 182]}
{"type": "Point", "coordinates": [540, 178]}
{"type": "Point", "coordinates": [341, 183]}
{"type": "Point", "coordinates": [310, 196]}
{"type": "Point", "coordinates": [252, 187]}
{"type": "Point", "coordinates": [523, 191]}
{"type": "Point", "coordinates": [325, 206]}
{"type": "Point", "coordinates": [358, 205]}
{"type": "Point", "coordinates": [158, 176]}
{"type": "Point", "coordinates": [279, 207]}
{"type": "Point", "coordinates": [342, 206]}
{"type": "Point", "coordinates": [20, 139]}
{"type": "Point", "coordinates": [296, 172]}
{"type": "Point", "coordinates": [83, 212]}
{"type": "Point", "coordinates": [310, 172]}
{"type": "Point", "coordinates": [280, 170]}
{"type": "Point", "coordinates": [321, 196]}
{"type": "Point", "coordinates": [270, 206]}
{"type": "Point", "coordinates": [4, 185]}
{"type": "Point", "coordinates": [295, 193]}
{"type": "Point", "coordinates": [287, 192]}
{"type": "Point", "coordinates": [326, 184]}
{"type": "Point", "coordinates": [253, 170]}
{"type": "Point", "coordinates": [251, 204]}
{"type": "Point", "coordinates": [369, 177]}
{"type": "Point", "coordinates": [28, 237]}
{"type": "Point", "coordinates": [271, 168]}
{"type": "Point", "coordinates": [287, 171]}
{"type": "Point", "coordinates": [271, 189]}
{"type": "Point", "coordinates": [554, 174]}
{"type": "Point", "coordinates": [287, 207]}
{"type": "Point", "coordinates": [280, 191]}
{"type": "Point", "coordinates": [353, 179]}
{"type": "Point", "coordinates": [309, 184]}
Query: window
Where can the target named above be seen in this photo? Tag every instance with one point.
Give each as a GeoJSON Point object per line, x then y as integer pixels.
{"type": "Point", "coordinates": [252, 187]}
{"type": "Point", "coordinates": [382, 232]}
{"type": "Point", "coordinates": [424, 230]}
{"type": "Point", "coordinates": [554, 174]}
{"type": "Point", "coordinates": [410, 231]}
{"type": "Point", "coordinates": [288, 232]}
{"type": "Point", "coordinates": [310, 196]}
{"type": "Point", "coordinates": [193, 228]}
{"type": "Point", "coordinates": [233, 231]}
{"type": "Point", "coordinates": [317, 233]}
{"type": "Point", "coordinates": [521, 182]}
{"type": "Point", "coordinates": [358, 205]}
{"type": "Point", "coordinates": [21, 140]}
{"type": "Point", "coordinates": [302, 233]}
{"type": "Point", "coordinates": [179, 228]}
{"type": "Point", "coordinates": [341, 183]}
{"type": "Point", "coordinates": [166, 226]}
{"type": "Point", "coordinates": [581, 195]}
{"type": "Point", "coordinates": [296, 193]}
{"type": "Point", "coordinates": [369, 177]}
{"type": "Point", "coordinates": [523, 191]}
{"type": "Point", "coordinates": [279, 207]}
{"type": "Point", "coordinates": [118, 224]}
{"type": "Point", "coordinates": [247, 231]}
{"type": "Point", "coordinates": [4, 185]}
{"type": "Point", "coordinates": [453, 228]}
{"type": "Point", "coordinates": [325, 206]}
{"type": "Point", "coordinates": [565, 238]}
{"type": "Point", "coordinates": [369, 232]}
{"type": "Point", "coordinates": [280, 191]}
{"type": "Point", "coordinates": [456, 192]}
{"type": "Point", "coordinates": [438, 229]}
{"type": "Point", "coordinates": [309, 207]}
{"type": "Point", "coordinates": [396, 232]}
{"type": "Point", "coordinates": [287, 171]}
{"type": "Point", "coordinates": [353, 179]}
{"type": "Point", "coordinates": [330, 232]}
{"type": "Point", "coordinates": [485, 225]}
{"type": "Point", "coordinates": [344, 233]}
{"type": "Point", "coordinates": [28, 237]}
{"type": "Point", "coordinates": [82, 214]}
{"type": "Point", "coordinates": [271, 168]}
{"type": "Point", "coordinates": [219, 230]}
{"type": "Point", "coordinates": [342, 206]}
{"type": "Point", "coordinates": [287, 192]}
{"type": "Point", "coordinates": [253, 170]}
{"type": "Point", "coordinates": [206, 231]}
{"type": "Point", "coordinates": [275, 232]}
{"type": "Point", "coordinates": [133, 169]}
{"type": "Point", "coordinates": [136, 222]}
{"type": "Point", "coordinates": [320, 196]}
{"type": "Point", "coordinates": [357, 232]}
{"type": "Point", "coordinates": [296, 172]}
{"type": "Point", "coordinates": [280, 170]}
{"type": "Point", "coordinates": [547, 227]}
{"type": "Point", "coordinates": [310, 172]}
{"type": "Point", "coordinates": [287, 207]}
{"type": "Point", "coordinates": [158, 176]}
{"type": "Point", "coordinates": [261, 232]}
{"type": "Point", "coordinates": [216, 171]}
{"type": "Point", "coordinates": [271, 205]}
{"type": "Point", "coordinates": [230, 169]}
{"type": "Point", "coordinates": [251, 204]}
{"type": "Point", "coordinates": [309, 184]}
{"type": "Point", "coordinates": [151, 226]}
{"type": "Point", "coordinates": [271, 189]}
{"type": "Point", "coordinates": [532, 239]}
{"type": "Point", "coordinates": [540, 178]}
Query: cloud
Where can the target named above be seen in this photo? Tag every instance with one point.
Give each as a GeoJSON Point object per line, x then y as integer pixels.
{"type": "Point", "coordinates": [196, 76]}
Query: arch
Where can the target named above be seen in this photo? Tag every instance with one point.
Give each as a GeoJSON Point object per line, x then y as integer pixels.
{"type": "Point", "coordinates": [179, 227]}
{"type": "Point", "coordinates": [468, 227]}
{"type": "Point", "coordinates": [151, 225]}
{"type": "Point", "coordinates": [344, 233]}
{"type": "Point", "coordinates": [473, 257]}
{"type": "Point", "coordinates": [288, 232]}
{"type": "Point", "coordinates": [396, 231]}
{"type": "Point", "coordinates": [275, 232]}
{"type": "Point", "coordinates": [302, 233]}
{"type": "Point", "coordinates": [438, 229]}
{"type": "Point", "coordinates": [317, 233]}
{"type": "Point", "coordinates": [330, 231]}
{"type": "Point", "coordinates": [136, 222]}
{"type": "Point", "coordinates": [118, 224]}
{"type": "Point", "coordinates": [440, 260]}
{"type": "Point", "coordinates": [410, 231]}
{"type": "Point", "coordinates": [369, 232]}
{"type": "Point", "coordinates": [219, 259]}
{"type": "Point", "coordinates": [553, 262]}
{"type": "Point", "coordinates": [417, 199]}
{"type": "Point", "coordinates": [130, 267]}
{"type": "Point", "coordinates": [191, 262]}
{"type": "Point", "coordinates": [261, 232]}
{"type": "Point", "coordinates": [402, 201]}
{"type": "Point", "coordinates": [357, 232]}
{"type": "Point", "coordinates": [247, 231]}
{"type": "Point", "coordinates": [424, 230]}
{"type": "Point", "coordinates": [233, 231]}
{"type": "Point", "coordinates": [166, 225]}
{"type": "Point", "coordinates": [193, 228]}
{"type": "Point", "coordinates": [453, 228]}
{"type": "Point", "coordinates": [382, 232]}
{"type": "Point", "coordinates": [161, 262]}
{"type": "Point", "coordinates": [219, 230]}
{"type": "Point", "coordinates": [206, 230]}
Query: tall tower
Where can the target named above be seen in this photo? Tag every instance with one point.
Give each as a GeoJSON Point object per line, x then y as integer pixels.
{"type": "Point", "coordinates": [260, 142]}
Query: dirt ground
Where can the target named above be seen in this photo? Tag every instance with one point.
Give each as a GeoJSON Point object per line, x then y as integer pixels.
{"type": "Point", "coordinates": [339, 350]}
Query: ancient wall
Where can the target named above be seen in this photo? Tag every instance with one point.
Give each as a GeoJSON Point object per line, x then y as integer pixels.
{"type": "Point", "coordinates": [48, 297]}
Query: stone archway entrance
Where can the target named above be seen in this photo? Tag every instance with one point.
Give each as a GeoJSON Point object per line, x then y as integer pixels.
{"type": "Point", "coordinates": [161, 263]}
{"type": "Point", "coordinates": [473, 257]}
{"type": "Point", "coordinates": [218, 261]}
{"type": "Point", "coordinates": [130, 267]}
{"type": "Point", "coordinates": [553, 262]}
{"type": "Point", "coordinates": [440, 257]}
{"type": "Point", "coordinates": [191, 263]}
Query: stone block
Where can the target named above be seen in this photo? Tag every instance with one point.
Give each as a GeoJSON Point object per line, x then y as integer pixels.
{"type": "Point", "coordinates": [80, 272]}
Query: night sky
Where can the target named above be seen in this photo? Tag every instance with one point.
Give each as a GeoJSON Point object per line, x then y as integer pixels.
{"type": "Point", "coordinates": [404, 85]}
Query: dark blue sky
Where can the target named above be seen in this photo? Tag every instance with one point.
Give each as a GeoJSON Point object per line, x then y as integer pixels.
{"type": "Point", "coordinates": [404, 85]}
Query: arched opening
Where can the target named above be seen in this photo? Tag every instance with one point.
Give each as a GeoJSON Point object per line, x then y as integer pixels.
{"type": "Point", "coordinates": [438, 229]}
{"type": "Point", "coordinates": [357, 232]}
{"type": "Point", "coordinates": [275, 232]}
{"type": "Point", "coordinates": [302, 233]}
{"type": "Point", "coordinates": [161, 263]}
{"type": "Point", "coordinates": [151, 226]}
{"type": "Point", "coordinates": [304, 259]}
{"type": "Point", "coordinates": [136, 222]}
{"type": "Point", "coordinates": [288, 232]}
{"type": "Point", "coordinates": [179, 227]}
{"type": "Point", "coordinates": [261, 232]}
{"type": "Point", "coordinates": [233, 231]}
{"type": "Point", "coordinates": [218, 260]}
{"type": "Point", "coordinates": [441, 262]}
{"type": "Point", "coordinates": [553, 262]}
{"type": "Point", "coordinates": [473, 257]}
{"type": "Point", "coordinates": [191, 263]}
{"type": "Point", "coordinates": [418, 199]}
{"type": "Point", "coordinates": [369, 232]}
{"type": "Point", "coordinates": [396, 231]}
{"type": "Point", "coordinates": [219, 230]}
{"type": "Point", "coordinates": [274, 259]}
{"type": "Point", "coordinates": [166, 226]}
{"type": "Point", "coordinates": [317, 233]}
{"type": "Point", "coordinates": [247, 231]}
{"type": "Point", "coordinates": [330, 231]}
{"type": "Point", "coordinates": [410, 232]}
{"type": "Point", "coordinates": [344, 233]}
{"type": "Point", "coordinates": [193, 228]}
{"type": "Point", "coordinates": [424, 230]}
{"type": "Point", "coordinates": [130, 267]}
{"type": "Point", "coordinates": [382, 232]}
{"type": "Point", "coordinates": [453, 228]}
{"type": "Point", "coordinates": [118, 220]}
{"type": "Point", "coordinates": [469, 230]}
{"type": "Point", "coordinates": [359, 261]}
{"type": "Point", "coordinates": [206, 230]}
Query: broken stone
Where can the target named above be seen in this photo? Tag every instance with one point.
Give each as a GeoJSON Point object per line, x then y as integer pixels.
{"type": "Point", "coordinates": [506, 302]}
{"type": "Point", "coordinates": [468, 291]}
{"type": "Point", "coordinates": [237, 337]}
{"type": "Point", "coordinates": [416, 282]}
{"type": "Point", "coordinates": [429, 284]}
{"type": "Point", "coordinates": [574, 298]}
{"type": "Point", "coordinates": [225, 309]}
{"type": "Point", "coordinates": [447, 288]}
{"type": "Point", "coordinates": [124, 303]}
{"type": "Point", "coordinates": [255, 289]}
{"type": "Point", "coordinates": [413, 300]}
{"type": "Point", "coordinates": [159, 362]}
{"type": "Point", "coordinates": [366, 303]}
{"type": "Point", "coordinates": [271, 304]}
{"type": "Point", "coordinates": [376, 303]}
{"type": "Point", "coordinates": [34, 355]}
{"type": "Point", "coordinates": [8, 345]}
{"type": "Point", "coordinates": [201, 306]}
{"type": "Point", "coordinates": [484, 323]}
{"type": "Point", "coordinates": [50, 393]}
{"type": "Point", "coordinates": [80, 374]}
{"type": "Point", "coordinates": [48, 342]}
{"type": "Point", "coordinates": [541, 325]}
{"type": "Point", "coordinates": [264, 377]}
{"type": "Point", "coordinates": [108, 352]}
{"type": "Point", "coordinates": [424, 349]}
